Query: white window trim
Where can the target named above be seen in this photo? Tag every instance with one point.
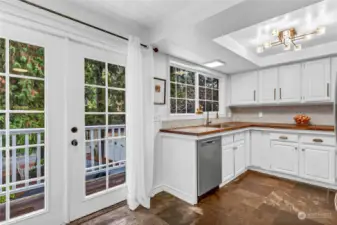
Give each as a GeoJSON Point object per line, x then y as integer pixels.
{"type": "Point", "coordinates": [197, 70]}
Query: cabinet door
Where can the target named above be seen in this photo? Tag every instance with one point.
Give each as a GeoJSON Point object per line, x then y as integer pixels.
{"type": "Point", "coordinates": [268, 86]}
{"type": "Point", "coordinates": [284, 157]}
{"type": "Point", "coordinates": [316, 80]}
{"type": "Point", "coordinates": [333, 78]}
{"type": "Point", "coordinates": [244, 88]}
{"type": "Point", "coordinates": [239, 155]}
{"type": "Point", "coordinates": [290, 83]}
{"type": "Point", "coordinates": [260, 149]}
{"type": "Point", "coordinates": [227, 163]}
{"type": "Point", "coordinates": [317, 163]}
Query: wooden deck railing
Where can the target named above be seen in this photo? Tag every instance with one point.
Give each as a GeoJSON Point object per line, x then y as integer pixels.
{"type": "Point", "coordinates": [26, 160]}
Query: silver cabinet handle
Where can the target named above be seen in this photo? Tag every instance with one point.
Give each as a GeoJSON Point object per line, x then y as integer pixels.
{"type": "Point", "coordinates": [283, 137]}
{"type": "Point", "coordinates": [254, 95]}
{"type": "Point", "coordinates": [234, 148]}
{"type": "Point", "coordinates": [328, 89]}
{"type": "Point", "coordinates": [280, 93]}
{"type": "Point", "coordinates": [274, 93]}
{"type": "Point", "coordinates": [303, 149]}
{"type": "Point", "coordinates": [317, 140]}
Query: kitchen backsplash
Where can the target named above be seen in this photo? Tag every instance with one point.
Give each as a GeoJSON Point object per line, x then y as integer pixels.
{"type": "Point", "coordinates": [196, 122]}
{"type": "Point", "coordinates": [320, 114]}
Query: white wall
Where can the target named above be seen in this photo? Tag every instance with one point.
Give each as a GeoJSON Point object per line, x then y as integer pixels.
{"type": "Point", "coordinates": [113, 23]}
{"type": "Point", "coordinates": [320, 114]}
{"type": "Point", "coordinates": [162, 117]}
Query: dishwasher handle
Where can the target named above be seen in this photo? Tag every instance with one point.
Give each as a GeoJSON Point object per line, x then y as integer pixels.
{"type": "Point", "coordinates": [209, 142]}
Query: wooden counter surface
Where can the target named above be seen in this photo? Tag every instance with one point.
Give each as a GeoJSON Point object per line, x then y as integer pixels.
{"type": "Point", "coordinates": [218, 128]}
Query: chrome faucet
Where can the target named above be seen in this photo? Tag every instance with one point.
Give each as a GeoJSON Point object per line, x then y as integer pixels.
{"type": "Point", "coordinates": [208, 121]}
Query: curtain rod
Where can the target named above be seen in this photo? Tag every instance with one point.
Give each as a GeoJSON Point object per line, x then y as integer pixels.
{"type": "Point", "coordinates": [77, 21]}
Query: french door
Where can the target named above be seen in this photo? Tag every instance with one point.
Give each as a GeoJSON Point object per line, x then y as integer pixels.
{"type": "Point", "coordinates": [32, 125]}
{"type": "Point", "coordinates": [96, 129]}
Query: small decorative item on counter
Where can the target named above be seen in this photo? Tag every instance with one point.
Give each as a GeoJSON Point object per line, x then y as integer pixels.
{"type": "Point", "coordinates": [199, 110]}
{"type": "Point", "coordinates": [302, 119]}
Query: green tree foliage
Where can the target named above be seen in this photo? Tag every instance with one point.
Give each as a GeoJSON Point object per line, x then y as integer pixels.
{"type": "Point", "coordinates": [95, 98]}
{"type": "Point", "coordinates": [26, 94]}
{"type": "Point", "coordinates": [2, 55]}
{"type": "Point", "coordinates": [26, 59]}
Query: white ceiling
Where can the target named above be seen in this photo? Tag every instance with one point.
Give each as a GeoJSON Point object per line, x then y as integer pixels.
{"type": "Point", "coordinates": [193, 29]}
{"type": "Point", "coordinates": [305, 20]}
{"type": "Point", "coordinates": [145, 12]}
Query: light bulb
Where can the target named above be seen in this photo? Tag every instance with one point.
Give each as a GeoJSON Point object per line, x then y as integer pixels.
{"type": "Point", "coordinates": [287, 47]}
{"type": "Point", "coordinates": [275, 32]}
{"type": "Point", "coordinates": [287, 41]}
{"type": "Point", "coordinates": [298, 47]}
{"type": "Point", "coordinates": [259, 49]}
{"type": "Point", "coordinates": [321, 30]}
{"type": "Point", "coordinates": [308, 37]}
{"type": "Point", "coordinates": [267, 45]}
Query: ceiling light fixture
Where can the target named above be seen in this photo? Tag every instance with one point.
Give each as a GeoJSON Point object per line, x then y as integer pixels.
{"type": "Point", "coordinates": [214, 64]}
{"type": "Point", "coordinates": [288, 39]}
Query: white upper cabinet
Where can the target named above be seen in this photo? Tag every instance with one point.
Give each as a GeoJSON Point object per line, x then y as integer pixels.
{"type": "Point", "coordinates": [268, 85]}
{"type": "Point", "coordinates": [244, 88]}
{"type": "Point", "coordinates": [290, 83]}
{"type": "Point", "coordinates": [316, 83]}
{"type": "Point", "coordinates": [333, 77]}
{"type": "Point", "coordinates": [311, 81]}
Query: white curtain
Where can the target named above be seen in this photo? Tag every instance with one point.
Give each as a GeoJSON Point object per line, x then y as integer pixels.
{"type": "Point", "coordinates": [139, 123]}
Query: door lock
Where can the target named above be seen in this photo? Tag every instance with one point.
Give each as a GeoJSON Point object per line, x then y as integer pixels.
{"type": "Point", "coordinates": [74, 142]}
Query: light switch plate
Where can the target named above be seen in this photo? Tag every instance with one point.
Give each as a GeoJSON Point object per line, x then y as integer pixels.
{"type": "Point", "coordinates": [260, 114]}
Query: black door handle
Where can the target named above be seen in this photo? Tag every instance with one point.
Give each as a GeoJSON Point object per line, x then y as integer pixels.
{"type": "Point", "coordinates": [74, 129]}
{"type": "Point", "coordinates": [74, 142]}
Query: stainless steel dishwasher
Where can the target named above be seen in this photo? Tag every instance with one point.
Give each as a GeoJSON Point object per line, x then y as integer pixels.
{"type": "Point", "coordinates": [209, 164]}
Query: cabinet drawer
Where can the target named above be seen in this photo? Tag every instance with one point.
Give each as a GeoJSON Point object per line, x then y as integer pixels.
{"type": "Point", "coordinates": [228, 139]}
{"type": "Point", "coordinates": [284, 137]}
{"type": "Point", "coordinates": [239, 136]}
{"type": "Point", "coordinates": [317, 139]}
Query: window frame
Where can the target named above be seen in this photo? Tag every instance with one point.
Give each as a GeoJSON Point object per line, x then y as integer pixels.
{"type": "Point", "coordinates": [213, 89]}
{"type": "Point", "coordinates": [196, 86]}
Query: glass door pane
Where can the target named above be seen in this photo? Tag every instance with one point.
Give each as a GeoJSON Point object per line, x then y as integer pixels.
{"type": "Point", "coordinates": [104, 126]}
{"type": "Point", "coordinates": [22, 129]}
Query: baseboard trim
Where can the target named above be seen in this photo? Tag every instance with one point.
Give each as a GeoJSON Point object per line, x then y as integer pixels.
{"type": "Point", "coordinates": [183, 196]}
{"type": "Point", "coordinates": [156, 190]}
{"type": "Point", "coordinates": [293, 178]}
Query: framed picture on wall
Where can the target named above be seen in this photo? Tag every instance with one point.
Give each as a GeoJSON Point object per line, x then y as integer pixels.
{"type": "Point", "coordinates": [159, 91]}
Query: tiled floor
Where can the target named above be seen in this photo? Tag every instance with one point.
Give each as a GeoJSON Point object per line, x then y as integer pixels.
{"type": "Point", "coordinates": [253, 199]}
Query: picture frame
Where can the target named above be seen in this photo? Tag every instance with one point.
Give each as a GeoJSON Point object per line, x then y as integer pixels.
{"type": "Point", "coordinates": [159, 91]}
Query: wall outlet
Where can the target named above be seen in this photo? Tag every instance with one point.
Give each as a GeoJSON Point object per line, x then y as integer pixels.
{"type": "Point", "coordinates": [260, 114]}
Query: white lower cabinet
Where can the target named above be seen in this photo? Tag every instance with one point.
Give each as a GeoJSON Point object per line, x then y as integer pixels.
{"type": "Point", "coordinates": [307, 156]}
{"type": "Point", "coordinates": [227, 163]}
{"type": "Point", "coordinates": [233, 157]}
{"type": "Point", "coordinates": [239, 157]}
{"type": "Point", "coordinates": [284, 157]}
{"type": "Point", "coordinates": [317, 163]}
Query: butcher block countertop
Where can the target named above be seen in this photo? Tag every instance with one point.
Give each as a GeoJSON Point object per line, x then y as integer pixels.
{"type": "Point", "coordinates": [218, 128]}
